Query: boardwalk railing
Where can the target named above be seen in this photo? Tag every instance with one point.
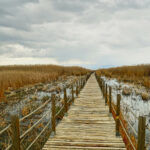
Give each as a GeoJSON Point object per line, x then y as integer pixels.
{"type": "Point", "coordinates": [13, 130]}
{"type": "Point", "coordinates": [134, 140]}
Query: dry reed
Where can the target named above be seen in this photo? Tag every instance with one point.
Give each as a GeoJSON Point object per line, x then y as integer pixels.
{"type": "Point", "coordinates": [139, 74]}
{"type": "Point", "coordinates": [20, 75]}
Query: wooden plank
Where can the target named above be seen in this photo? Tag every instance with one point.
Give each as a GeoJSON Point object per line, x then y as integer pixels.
{"type": "Point", "coordinates": [85, 144]}
{"type": "Point", "coordinates": [88, 124]}
{"type": "Point", "coordinates": [81, 148]}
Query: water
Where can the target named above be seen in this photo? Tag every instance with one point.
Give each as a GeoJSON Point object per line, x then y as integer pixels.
{"type": "Point", "coordinates": [132, 106]}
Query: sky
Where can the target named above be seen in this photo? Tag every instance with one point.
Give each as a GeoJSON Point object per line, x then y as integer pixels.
{"type": "Point", "coordinates": [88, 33]}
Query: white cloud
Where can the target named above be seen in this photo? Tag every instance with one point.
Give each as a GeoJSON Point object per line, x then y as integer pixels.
{"type": "Point", "coordinates": [27, 60]}
{"type": "Point", "coordinates": [76, 62]}
{"type": "Point", "coordinates": [88, 33]}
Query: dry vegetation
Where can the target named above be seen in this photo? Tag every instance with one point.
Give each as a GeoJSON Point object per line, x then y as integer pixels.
{"type": "Point", "coordinates": [137, 74]}
{"type": "Point", "coordinates": [18, 76]}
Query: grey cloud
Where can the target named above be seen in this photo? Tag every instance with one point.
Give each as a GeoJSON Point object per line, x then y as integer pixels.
{"type": "Point", "coordinates": [116, 5]}
{"type": "Point", "coordinates": [137, 4]}
{"type": "Point", "coordinates": [12, 14]}
{"type": "Point", "coordinates": [22, 14]}
{"type": "Point", "coordinates": [10, 7]}
{"type": "Point", "coordinates": [8, 4]}
{"type": "Point", "coordinates": [98, 31]}
{"type": "Point", "coordinates": [77, 6]}
{"type": "Point", "coordinates": [23, 17]}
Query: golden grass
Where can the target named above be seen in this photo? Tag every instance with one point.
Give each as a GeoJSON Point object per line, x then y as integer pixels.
{"type": "Point", "coordinates": [20, 75]}
{"type": "Point", "coordinates": [139, 74]}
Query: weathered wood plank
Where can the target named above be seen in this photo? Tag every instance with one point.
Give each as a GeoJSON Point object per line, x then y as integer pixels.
{"type": "Point", "coordinates": [88, 124]}
{"type": "Point", "coordinates": [82, 148]}
{"type": "Point", "coordinates": [85, 144]}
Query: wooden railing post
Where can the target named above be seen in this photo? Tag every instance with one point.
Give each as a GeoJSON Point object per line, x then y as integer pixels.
{"type": "Point", "coordinates": [82, 83]}
{"type": "Point", "coordinates": [103, 89]}
{"type": "Point", "coordinates": [79, 85]}
{"type": "Point", "coordinates": [53, 112]}
{"type": "Point", "coordinates": [65, 101]}
{"type": "Point", "coordinates": [72, 93]}
{"type": "Point", "coordinates": [110, 99]}
{"type": "Point", "coordinates": [76, 89]}
{"type": "Point", "coordinates": [141, 133]}
{"type": "Point", "coordinates": [101, 84]}
{"type": "Point", "coordinates": [106, 95]}
{"type": "Point", "coordinates": [15, 132]}
{"type": "Point", "coordinates": [117, 115]}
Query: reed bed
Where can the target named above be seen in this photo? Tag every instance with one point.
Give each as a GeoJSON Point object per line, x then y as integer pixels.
{"type": "Point", "coordinates": [23, 75]}
{"type": "Point", "coordinates": [139, 74]}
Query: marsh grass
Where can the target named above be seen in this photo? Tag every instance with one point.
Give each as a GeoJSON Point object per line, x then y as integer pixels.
{"type": "Point", "coordinates": [139, 74]}
{"type": "Point", "coordinates": [22, 75]}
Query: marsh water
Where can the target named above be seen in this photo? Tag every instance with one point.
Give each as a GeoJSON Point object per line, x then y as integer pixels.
{"type": "Point", "coordinates": [132, 106]}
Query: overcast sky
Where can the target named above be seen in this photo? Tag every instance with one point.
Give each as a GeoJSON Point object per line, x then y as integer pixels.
{"type": "Point", "coordinates": [90, 33]}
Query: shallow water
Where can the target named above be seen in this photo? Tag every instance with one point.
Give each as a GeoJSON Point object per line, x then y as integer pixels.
{"type": "Point", "coordinates": [132, 106]}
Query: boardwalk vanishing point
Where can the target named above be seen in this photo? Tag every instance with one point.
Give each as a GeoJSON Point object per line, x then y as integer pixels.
{"type": "Point", "coordinates": [88, 124]}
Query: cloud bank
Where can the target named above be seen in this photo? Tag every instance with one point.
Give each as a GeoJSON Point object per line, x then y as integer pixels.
{"type": "Point", "coordinates": [90, 33]}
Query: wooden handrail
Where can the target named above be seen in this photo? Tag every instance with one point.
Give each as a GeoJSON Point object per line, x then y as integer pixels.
{"type": "Point", "coordinates": [5, 129]}
{"type": "Point", "coordinates": [130, 111]}
{"type": "Point", "coordinates": [19, 138]}
{"type": "Point", "coordinates": [33, 126]}
{"type": "Point", "coordinates": [58, 113]}
{"type": "Point", "coordinates": [142, 120]}
{"type": "Point", "coordinates": [36, 110]}
{"type": "Point", "coordinates": [127, 135]}
{"type": "Point", "coordinates": [47, 125]}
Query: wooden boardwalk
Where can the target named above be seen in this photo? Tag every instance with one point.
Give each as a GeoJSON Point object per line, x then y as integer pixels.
{"type": "Point", "coordinates": [88, 125]}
